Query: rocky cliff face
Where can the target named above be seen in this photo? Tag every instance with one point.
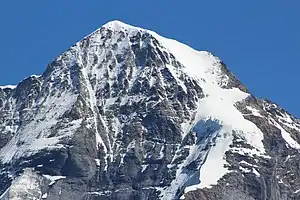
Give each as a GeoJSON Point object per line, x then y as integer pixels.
{"type": "Point", "coordinates": [127, 114]}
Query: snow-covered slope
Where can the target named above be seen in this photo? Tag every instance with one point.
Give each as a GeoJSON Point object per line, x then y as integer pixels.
{"type": "Point", "coordinates": [8, 87]}
{"type": "Point", "coordinates": [128, 114]}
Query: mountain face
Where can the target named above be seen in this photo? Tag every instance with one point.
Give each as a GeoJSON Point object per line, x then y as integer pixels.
{"type": "Point", "coordinates": [127, 114]}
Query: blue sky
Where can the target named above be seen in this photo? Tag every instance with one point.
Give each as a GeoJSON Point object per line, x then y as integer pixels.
{"type": "Point", "coordinates": [258, 40]}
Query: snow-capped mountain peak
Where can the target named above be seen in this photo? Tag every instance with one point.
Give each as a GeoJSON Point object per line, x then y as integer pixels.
{"type": "Point", "coordinates": [120, 26]}
{"type": "Point", "coordinates": [127, 113]}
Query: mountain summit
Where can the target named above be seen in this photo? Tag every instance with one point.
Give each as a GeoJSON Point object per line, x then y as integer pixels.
{"type": "Point", "coordinates": [128, 114]}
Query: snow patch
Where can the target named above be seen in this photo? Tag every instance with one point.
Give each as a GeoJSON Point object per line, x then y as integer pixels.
{"type": "Point", "coordinates": [8, 87]}
{"type": "Point", "coordinates": [53, 179]}
{"type": "Point", "coordinates": [175, 74]}
{"type": "Point", "coordinates": [44, 196]}
{"type": "Point", "coordinates": [254, 111]}
{"type": "Point", "coordinates": [144, 167]}
{"type": "Point", "coordinates": [4, 194]}
{"type": "Point", "coordinates": [26, 186]}
{"type": "Point", "coordinates": [297, 191]}
{"type": "Point", "coordinates": [24, 144]}
{"type": "Point", "coordinates": [286, 136]}
{"type": "Point", "coordinates": [218, 104]}
{"type": "Point", "coordinates": [255, 172]}
{"type": "Point", "coordinates": [35, 76]}
{"type": "Point", "coordinates": [97, 162]}
{"type": "Point", "coordinates": [233, 122]}
{"type": "Point", "coordinates": [93, 105]}
{"type": "Point", "coordinates": [117, 25]}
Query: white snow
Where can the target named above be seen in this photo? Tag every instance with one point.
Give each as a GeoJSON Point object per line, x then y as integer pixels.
{"type": "Point", "coordinates": [291, 125]}
{"type": "Point", "coordinates": [244, 169]}
{"type": "Point", "coordinates": [144, 167]}
{"type": "Point", "coordinates": [53, 179]}
{"type": "Point", "coordinates": [117, 25]}
{"type": "Point", "coordinates": [255, 172]}
{"type": "Point", "coordinates": [247, 170]}
{"type": "Point", "coordinates": [33, 136]}
{"type": "Point", "coordinates": [288, 121]}
{"type": "Point", "coordinates": [26, 186]}
{"type": "Point", "coordinates": [4, 193]}
{"type": "Point", "coordinates": [93, 105]}
{"type": "Point", "coordinates": [122, 159]}
{"type": "Point", "coordinates": [286, 136]}
{"type": "Point", "coordinates": [152, 82]}
{"type": "Point", "coordinates": [97, 162]}
{"type": "Point", "coordinates": [35, 76]}
{"type": "Point", "coordinates": [287, 118]}
{"type": "Point", "coordinates": [287, 158]}
{"type": "Point", "coordinates": [109, 102]}
{"type": "Point", "coordinates": [244, 162]}
{"type": "Point", "coordinates": [216, 161]}
{"type": "Point", "coordinates": [131, 145]}
{"type": "Point", "coordinates": [8, 87]}
{"type": "Point", "coordinates": [161, 153]}
{"type": "Point", "coordinates": [254, 111]}
{"type": "Point", "coordinates": [175, 74]}
{"type": "Point", "coordinates": [44, 196]}
{"type": "Point", "coordinates": [219, 104]}
{"type": "Point", "coordinates": [11, 129]}
{"type": "Point", "coordinates": [297, 191]}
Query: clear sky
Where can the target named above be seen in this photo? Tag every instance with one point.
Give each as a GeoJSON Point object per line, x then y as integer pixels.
{"type": "Point", "coordinates": [258, 40]}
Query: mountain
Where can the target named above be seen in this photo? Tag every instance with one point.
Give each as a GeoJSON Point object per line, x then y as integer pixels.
{"type": "Point", "coordinates": [127, 114]}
